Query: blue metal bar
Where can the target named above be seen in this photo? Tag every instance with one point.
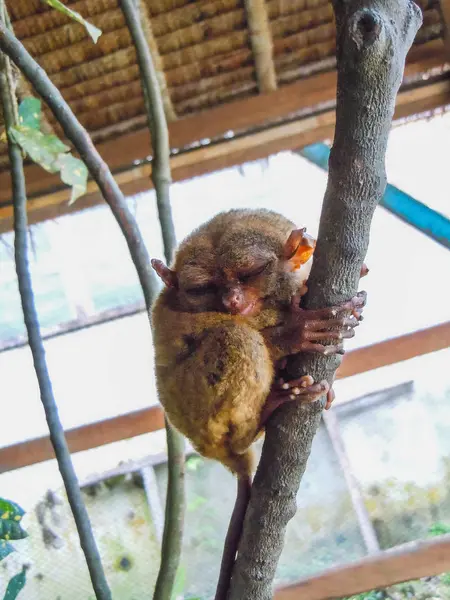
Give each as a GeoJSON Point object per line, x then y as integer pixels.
{"type": "Point", "coordinates": [403, 206]}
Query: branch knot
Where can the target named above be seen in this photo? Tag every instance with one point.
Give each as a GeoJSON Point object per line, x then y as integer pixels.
{"type": "Point", "coordinates": [365, 28]}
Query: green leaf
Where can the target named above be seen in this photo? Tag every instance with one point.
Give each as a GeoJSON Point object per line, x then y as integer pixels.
{"type": "Point", "coordinates": [5, 549]}
{"type": "Point", "coordinates": [12, 508]}
{"type": "Point", "coordinates": [93, 31]}
{"type": "Point", "coordinates": [10, 516]}
{"type": "Point", "coordinates": [74, 173]}
{"type": "Point", "coordinates": [438, 529]}
{"type": "Point", "coordinates": [15, 585]}
{"type": "Point", "coordinates": [52, 155]}
{"type": "Point", "coordinates": [30, 112]}
{"type": "Point", "coordinates": [193, 462]}
{"type": "Point", "coordinates": [11, 530]}
{"type": "Point", "coordinates": [42, 149]}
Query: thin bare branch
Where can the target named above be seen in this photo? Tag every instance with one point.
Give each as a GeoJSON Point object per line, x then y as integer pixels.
{"type": "Point", "coordinates": [161, 176]}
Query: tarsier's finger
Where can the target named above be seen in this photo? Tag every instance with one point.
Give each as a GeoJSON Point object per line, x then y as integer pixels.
{"type": "Point", "coordinates": [329, 335]}
{"type": "Point", "coordinates": [293, 388]}
{"type": "Point", "coordinates": [302, 382]}
{"type": "Point", "coordinates": [321, 349]}
{"type": "Point", "coordinates": [330, 397]}
{"type": "Point", "coordinates": [314, 392]}
{"type": "Point", "coordinates": [295, 302]}
{"type": "Point", "coordinates": [322, 325]}
{"type": "Point", "coordinates": [356, 304]}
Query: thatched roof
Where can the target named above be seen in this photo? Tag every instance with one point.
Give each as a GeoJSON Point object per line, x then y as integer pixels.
{"type": "Point", "coordinates": [209, 53]}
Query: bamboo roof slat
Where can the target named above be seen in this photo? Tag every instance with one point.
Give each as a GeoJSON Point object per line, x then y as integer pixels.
{"type": "Point", "coordinates": [194, 12]}
{"type": "Point", "coordinates": [157, 7]}
{"type": "Point", "coordinates": [210, 99]}
{"type": "Point", "coordinates": [202, 31]}
{"type": "Point", "coordinates": [85, 72]}
{"type": "Point", "coordinates": [101, 83]}
{"type": "Point", "coordinates": [210, 67]}
{"type": "Point", "coordinates": [262, 46]}
{"type": "Point", "coordinates": [205, 84]}
{"type": "Point", "coordinates": [213, 48]}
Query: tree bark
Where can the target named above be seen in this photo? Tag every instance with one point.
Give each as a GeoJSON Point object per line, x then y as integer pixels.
{"type": "Point", "coordinates": [373, 38]}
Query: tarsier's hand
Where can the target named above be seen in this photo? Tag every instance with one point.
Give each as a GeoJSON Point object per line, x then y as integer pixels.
{"type": "Point", "coordinates": [303, 389]}
{"type": "Point", "coordinates": [308, 328]}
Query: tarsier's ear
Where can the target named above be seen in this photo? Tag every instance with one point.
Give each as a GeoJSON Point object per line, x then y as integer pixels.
{"type": "Point", "coordinates": [168, 276]}
{"type": "Point", "coordinates": [299, 248]}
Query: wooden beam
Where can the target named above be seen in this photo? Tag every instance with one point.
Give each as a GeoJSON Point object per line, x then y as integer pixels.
{"type": "Point", "coordinates": [262, 45]}
{"type": "Point", "coordinates": [402, 563]}
{"type": "Point", "coordinates": [395, 350]}
{"type": "Point", "coordinates": [366, 527]}
{"type": "Point", "coordinates": [83, 438]}
{"type": "Point", "coordinates": [207, 159]}
{"type": "Point", "coordinates": [151, 419]}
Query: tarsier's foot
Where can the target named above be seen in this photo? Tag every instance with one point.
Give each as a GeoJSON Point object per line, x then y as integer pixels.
{"type": "Point", "coordinates": [303, 389]}
{"type": "Point", "coordinates": [333, 323]}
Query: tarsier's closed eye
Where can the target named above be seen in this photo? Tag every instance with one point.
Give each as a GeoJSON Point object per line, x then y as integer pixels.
{"type": "Point", "coordinates": [202, 290]}
{"type": "Point", "coordinates": [243, 277]}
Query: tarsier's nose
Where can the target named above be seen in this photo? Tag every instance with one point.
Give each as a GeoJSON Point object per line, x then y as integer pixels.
{"type": "Point", "coordinates": [233, 301]}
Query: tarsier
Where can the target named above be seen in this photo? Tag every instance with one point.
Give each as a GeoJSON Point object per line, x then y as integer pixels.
{"type": "Point", "coordinates": [226, 319]}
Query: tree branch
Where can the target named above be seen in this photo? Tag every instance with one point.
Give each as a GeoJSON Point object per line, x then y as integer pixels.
{"type": "Point", "coordinates": [87, 540]}
{"type": "Point", "coordinates": [373, 39]}
{"type": "Point", "coordinates": [161, 176]}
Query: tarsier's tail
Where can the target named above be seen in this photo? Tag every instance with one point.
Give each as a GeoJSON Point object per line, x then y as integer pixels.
{"type": "Point", "coordinates": [234, 531]}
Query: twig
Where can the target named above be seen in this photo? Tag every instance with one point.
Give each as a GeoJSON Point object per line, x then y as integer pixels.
{"type": "Point", "coordinates": [161, 176]}
{"type": "Point", "coordinates": [157, 124]}
{"type": "Point", "coordinates": [97, 168]}
{"type": "Point", "coordinates": [57, 437]}
{"type": "Point", "coordinates": [373, 39]}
